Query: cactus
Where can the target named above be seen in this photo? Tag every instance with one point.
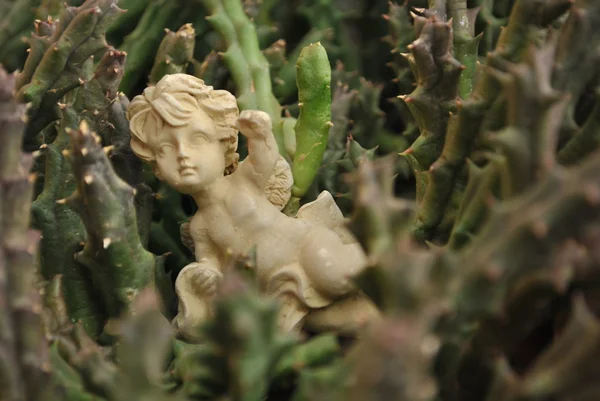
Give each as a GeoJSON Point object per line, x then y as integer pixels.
{"type": "Point", "coordinates": [24, 357]}
{"type": "Point", "coordinates": [143, 43]}
{"type": "Point", "coordinates": [482, 256]}
{"type": "Point", "coordinates": [62, 68]}
{"type": "Point", "coordinates": [314, 122]}
{"type": "Point", "coordinates": [174, 54]}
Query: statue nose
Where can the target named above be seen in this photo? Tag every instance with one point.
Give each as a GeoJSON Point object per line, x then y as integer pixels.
{"type": "Point", "coordinates": [182, 152]}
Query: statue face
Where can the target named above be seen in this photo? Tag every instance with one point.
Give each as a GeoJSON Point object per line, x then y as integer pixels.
{"type": "Point", "coordinates": [191, 156]}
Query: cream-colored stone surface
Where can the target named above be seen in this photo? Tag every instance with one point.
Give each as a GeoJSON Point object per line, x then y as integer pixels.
{"type": "Point", "coordinates": [188, 132]}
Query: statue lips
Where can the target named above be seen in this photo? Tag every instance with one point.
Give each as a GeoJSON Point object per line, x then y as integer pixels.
{"type": "Point", "coordinates": [186, 170]}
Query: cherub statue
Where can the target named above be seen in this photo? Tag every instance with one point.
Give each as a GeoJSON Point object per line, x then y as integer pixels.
{"type": "Point", "coordinates": [188, 131]}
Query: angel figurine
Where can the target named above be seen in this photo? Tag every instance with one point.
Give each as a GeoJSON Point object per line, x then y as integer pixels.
{"type": "Point", "coordinates": [188, 132]}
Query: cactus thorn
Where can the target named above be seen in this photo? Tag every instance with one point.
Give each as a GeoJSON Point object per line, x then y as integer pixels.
{"type": "Point", "coordinates": [62, 201]}
{"type": "Point", "coordinates": [106, 242]}
{"type": "Point", "coordinates": [84, 127]}
{"type": "Point", "coordinates": [81, 81]}
{"type": "Point", "coordinates": [493, 273]}
{"type": "Point", "coordinates": [88, 178]}
{"type": "Point", "coordinates": [62, 106]}
{"type": "Point", "coordinates": [592, 194]}
{"type": "Point", "coordinates": [43, 146]}
{"type": "Point", "coordinates": [539, 229]}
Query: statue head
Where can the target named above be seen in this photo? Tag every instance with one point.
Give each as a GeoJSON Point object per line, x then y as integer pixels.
{"type": "Point", "coordinates": [185, 130]}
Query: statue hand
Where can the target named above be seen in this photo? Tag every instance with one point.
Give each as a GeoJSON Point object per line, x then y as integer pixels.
{"type": "Point", "coordinates": [254, 123]}
{"type": "Point", "coordinates": [204, 279]}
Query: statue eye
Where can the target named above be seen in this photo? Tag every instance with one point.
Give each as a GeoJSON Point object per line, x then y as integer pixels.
{"type": "Point", "coordinates": [198, 139]}
{"type": "Point", "coordinates": [163, 149]}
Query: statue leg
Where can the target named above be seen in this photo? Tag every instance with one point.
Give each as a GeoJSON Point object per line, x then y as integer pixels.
{"type": "Point", "coordinates": [330, 264]}
{"type": "Point", "coordinates": [347, 316]}
{"type": "Point", "coordinates": [292, 313]}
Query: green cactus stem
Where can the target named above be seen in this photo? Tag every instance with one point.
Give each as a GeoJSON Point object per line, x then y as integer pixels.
{"type": "Point", "coordinates": [285, 79]}
{"type": "Point", "coordinates": [63, 231]}
{"type": "Point", "coordinates": [514, 269]}
{"type": "Point", "coordinates": [174, 54]}
{"type": "Point", "coordinates": [39, 42]}
{"type": "Point", "coordinates": [275, 55]}
{"type": "Point", "coordinates": [465, 45]}
{"type": "Point", "coordinates": [79, 36]}
{"type": "Point", "coordinates": [23, 353]}
{"type": "Point", "coordinates": [314, 122]}
{"type": "Point", "coordinates": [378, 217]}
{"type": "Point", "coordinates": [438, 73]}
{"type": "Point", "coordinates": [247, 64]}
{"type": "Point", "coordinates": [259, 12]}
{"type": "Point", "coordinates": [325, 14]}
{"type": "Point", "coordinates": [585, 141]}
{"type": "Point", "coordinates": [321, 350]}
{"type": "Point", "coordinates": [241, 347]}
{"type": "Point", "coordinates": [327, 383]}
{"type": "Point", "coordinates": [211, 69]}
{"type": "Point", "coordinates": [142, 44]}
{"type": "Point", "coordinates": [50, 9]}
{"type": "Point", "coordinates": [16, 23]}
{"type": "Point", "coordinates": [113, 253]}
{"type": "Point", "coordinates": [329, 177]}
{"type": "Point", "coordinates": [554, 374]}
{"type": "Point", "coordinates": [575, 68]}
{"type": "Point", "coordinates": [126, 22]}
{"type": "Point", "coordinates": [144, 349]}
{"type": "Point", "coordinates": [465, 123]}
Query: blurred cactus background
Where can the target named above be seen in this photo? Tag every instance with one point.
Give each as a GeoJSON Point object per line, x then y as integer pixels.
{"type": "Point", "coordinates": [459, 137]}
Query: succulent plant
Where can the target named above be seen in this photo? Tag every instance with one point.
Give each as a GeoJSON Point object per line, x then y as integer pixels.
{"type": "Point", "coordinates": [460, 139]}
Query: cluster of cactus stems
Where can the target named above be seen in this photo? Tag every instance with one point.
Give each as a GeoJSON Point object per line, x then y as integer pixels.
{"type": "Point", "coordinates": [469, 175]}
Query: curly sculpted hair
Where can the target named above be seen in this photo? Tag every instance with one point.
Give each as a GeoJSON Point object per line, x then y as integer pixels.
{"type": "Point", "coordinates": [173, 101]}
